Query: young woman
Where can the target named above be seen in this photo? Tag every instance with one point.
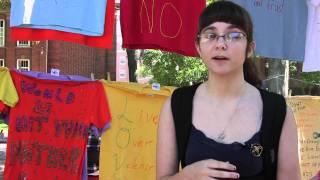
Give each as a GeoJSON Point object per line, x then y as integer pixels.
{"type": "Point", "coordinates": [226, 127]}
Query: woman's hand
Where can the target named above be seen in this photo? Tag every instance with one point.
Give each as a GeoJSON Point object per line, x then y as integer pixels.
{"type": "Point", "coordinates": [210, 169]}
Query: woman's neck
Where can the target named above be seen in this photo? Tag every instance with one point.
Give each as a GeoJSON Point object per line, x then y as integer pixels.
{"type": "Point", "coordinates": [225, 87]}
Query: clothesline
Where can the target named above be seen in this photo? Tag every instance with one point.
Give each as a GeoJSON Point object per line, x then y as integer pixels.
{"type": "Point", "coordinates": [281, 75]}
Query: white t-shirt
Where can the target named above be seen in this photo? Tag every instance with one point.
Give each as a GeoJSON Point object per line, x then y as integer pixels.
{"type": "Point", "coordinates": [312, 50]}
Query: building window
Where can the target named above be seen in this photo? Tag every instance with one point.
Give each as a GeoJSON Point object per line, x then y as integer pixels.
{"type": "Point", "coordinates": [23, 43]}
{"type": "Point", "coordinates": [23, 64]}
{"type": "Point", "coordinates": [1, 62]}
{"type": "Point", "coordinates": [2, 32]}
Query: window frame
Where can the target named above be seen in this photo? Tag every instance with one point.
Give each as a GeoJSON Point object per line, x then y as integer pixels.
{"type": "Point", "coordinates": [19, 44]}
{"type": "Point", "coordinates": [3, 63]}
{"type": "Point", "coordinates": [23, 68]}
{"type": "Point", "coordinates": [2, 43]}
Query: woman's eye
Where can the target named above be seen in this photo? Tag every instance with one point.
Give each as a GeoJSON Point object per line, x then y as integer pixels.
{"type": "Point", "coordinates": [234, 35]}
{"type": "Point", "coordinates": [211, 36]}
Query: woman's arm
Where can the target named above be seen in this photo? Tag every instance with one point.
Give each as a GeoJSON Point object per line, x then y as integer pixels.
{"type": "Point", "coordinates": [288, 160]}
{"type": "Point", "coordinates": [167, 156]}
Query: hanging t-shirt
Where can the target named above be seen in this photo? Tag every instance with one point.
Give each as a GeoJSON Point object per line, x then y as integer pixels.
{"type": "Point", "coordinates": [279, 27]}
{"type": "Point", "coordinates": [2, 107]}
{"type": "Point", "coordinates": [312, 55]}
{"type": "Point", "coordinates": [128, 149]}
{"type": "Point", "coordinates": [83, 17]}
{"type": "Point", "coordinates": [49, 127]}
{"type": "Point", "coordinates": [104, 41]}
{"type": "Point", "coordinates": [48, 76]}
{"type": "Point", "coordinates": [8, 93]}
{"type": "Point", "coordinates": [41, 75]}
{"type": "Point", "coordinates": [169, 26]}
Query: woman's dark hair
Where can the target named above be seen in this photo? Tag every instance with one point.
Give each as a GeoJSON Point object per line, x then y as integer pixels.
{"type": "Point", "coordinates": [229, 12]}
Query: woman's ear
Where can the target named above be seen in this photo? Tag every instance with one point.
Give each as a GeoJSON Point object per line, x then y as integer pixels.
{"type": "Point", "coordinates": [197, 45]}
{"type": "Point", "coordinates": [251, 48]}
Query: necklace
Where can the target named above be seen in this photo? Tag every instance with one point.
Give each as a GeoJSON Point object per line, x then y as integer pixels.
{"type": "Point", "coordinates": [222, 134]}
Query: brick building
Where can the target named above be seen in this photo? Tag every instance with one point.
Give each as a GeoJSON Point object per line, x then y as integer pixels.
{"type": "Point", "coordinates": [70, 58]}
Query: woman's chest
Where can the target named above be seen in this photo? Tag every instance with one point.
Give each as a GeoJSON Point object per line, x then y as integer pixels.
{"type": "Point", "coordinates": [236, 123]}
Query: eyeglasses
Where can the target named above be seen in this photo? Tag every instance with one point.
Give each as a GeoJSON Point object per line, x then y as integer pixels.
{"type": "Point", "coordinates": [230, 37]}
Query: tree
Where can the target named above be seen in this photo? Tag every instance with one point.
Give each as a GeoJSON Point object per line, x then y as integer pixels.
{"type": "Point", "coordinates": [210, 1]}
{"type": "Point", "coordinates": [172, 69]}
{"type": "Point", "coordinates": [132, 64]}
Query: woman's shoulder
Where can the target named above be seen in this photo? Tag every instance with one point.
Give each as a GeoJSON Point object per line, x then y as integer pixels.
{"type": "Point", "coordinates": [186, 90]}
{"type": "Point", "coordinates": [270, 96]}
{"type": "Point", "coordinates": [273, 103]}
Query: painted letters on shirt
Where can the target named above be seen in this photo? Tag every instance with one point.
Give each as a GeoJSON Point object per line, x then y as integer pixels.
{"type": "Point", "coordinates": [49, 127]}
{"type": "Point", "coordinates": [279, 27]}
{"type": "Point", "coordinates": [128, 148]}
{"type": "Point", "coordinates": [160, 24]}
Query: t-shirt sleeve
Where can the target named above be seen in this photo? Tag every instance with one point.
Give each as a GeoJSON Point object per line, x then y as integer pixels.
{"type": "Point", "coordinates": [100, 111]}
{"type": "Point", "coordinates": [8, 92]}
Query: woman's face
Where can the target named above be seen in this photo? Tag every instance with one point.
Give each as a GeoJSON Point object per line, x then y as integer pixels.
{"type": "Point", "coordinates": [222, 47]}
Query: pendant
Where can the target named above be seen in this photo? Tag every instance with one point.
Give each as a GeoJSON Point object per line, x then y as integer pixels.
{"type": "Point", "coordinates": [221, 136]}
{"type": "Point", "coordinates": [256, 150]}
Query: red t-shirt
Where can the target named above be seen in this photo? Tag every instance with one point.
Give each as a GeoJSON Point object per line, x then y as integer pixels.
{"type": "Point", "coordinates": [170, 26]}
{"type": "Point", "coordinates": [104, 41]}
{"type": "Point", "coordinates": [49, 127]}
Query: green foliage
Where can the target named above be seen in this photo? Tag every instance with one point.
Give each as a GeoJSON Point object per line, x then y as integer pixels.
{"type": "Point", "coordinates": [4, 4]}
{"type": "Point", "coordinates": [210, 1]}
{"type": "Point", "coordinates": [172, 69]}
{"type": "Point", "coordinates": [310, 77]}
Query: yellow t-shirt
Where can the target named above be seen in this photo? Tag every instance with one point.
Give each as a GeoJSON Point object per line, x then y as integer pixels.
{"type": "Point", "coordinates": [8, 93]}
{"type": "Point", "coordinates": [128, 148]}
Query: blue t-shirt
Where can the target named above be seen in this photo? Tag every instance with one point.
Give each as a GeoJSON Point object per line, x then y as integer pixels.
{"type": "Point", "coordinates": [75, 16]}
{"type": "Point", "coordinates": [279, 27]}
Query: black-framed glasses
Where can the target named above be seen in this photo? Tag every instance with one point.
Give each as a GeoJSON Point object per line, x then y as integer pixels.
{"type": "Point", "coordinates": [227, 38]}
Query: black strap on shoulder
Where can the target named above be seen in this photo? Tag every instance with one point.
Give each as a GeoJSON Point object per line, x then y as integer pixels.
{"type": "Point", "coordinates": [181, 105]}
{"type": "Point", "coordinates": [274, 112]}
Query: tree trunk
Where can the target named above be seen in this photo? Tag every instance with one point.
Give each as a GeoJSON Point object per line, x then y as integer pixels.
{"type": "Point", "coordinates": [132, 64]}
{"type": "Point", "coordinates": [278, 76]}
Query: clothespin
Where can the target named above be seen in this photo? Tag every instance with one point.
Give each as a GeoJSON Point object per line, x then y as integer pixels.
{"type": "Point", "coordinates": [289, 93]}
{"type": "Point", "coordinates": [108, 76]}
{"type": "Point", "coordinates": [92, 76]}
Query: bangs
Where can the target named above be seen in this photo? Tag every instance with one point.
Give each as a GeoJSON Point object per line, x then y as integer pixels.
{"type": "Point", "coordinates": [227, 12]}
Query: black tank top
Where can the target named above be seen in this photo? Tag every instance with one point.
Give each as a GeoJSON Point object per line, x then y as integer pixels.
{"type": "Point", "coordinates": [274, 111]}
{"type": "Point", "coordinates": [200, 147]}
